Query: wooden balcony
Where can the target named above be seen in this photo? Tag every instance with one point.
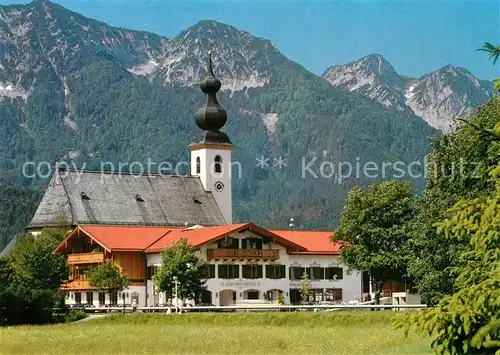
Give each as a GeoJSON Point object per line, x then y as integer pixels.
{"type": "Point", "coordinates": [85, 258]}
{"type": "Point", "coordinates": [242, 254]}
{"type": "Point", "coordinates": [75, 285]}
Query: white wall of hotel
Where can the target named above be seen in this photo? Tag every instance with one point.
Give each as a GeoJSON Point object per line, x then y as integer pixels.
{"type": "Point", "coordinates": [131, 292]}
{"type": "Point", "coordinates": [350, 284]}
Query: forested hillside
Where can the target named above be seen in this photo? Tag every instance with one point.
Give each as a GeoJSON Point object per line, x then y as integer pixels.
{"type": "Point", "coordinates": [17, 206]}
{"type": "Point", "coordinates": [74, 97]}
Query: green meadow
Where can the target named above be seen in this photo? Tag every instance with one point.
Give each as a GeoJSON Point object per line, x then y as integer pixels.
{"type": "Point", "coordinates": [218, 333]}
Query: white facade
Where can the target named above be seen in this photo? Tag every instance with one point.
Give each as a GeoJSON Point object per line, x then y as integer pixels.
{"type": "Point", "coordinates": [228, 291]}
{"type": "Point", "coordinates": [137, 293]}
{"type": "Point", "coordinates": [205, 160]}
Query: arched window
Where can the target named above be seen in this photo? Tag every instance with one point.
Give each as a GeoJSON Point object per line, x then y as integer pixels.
{"type": "Point", "coordinates": [218, 164]}
{"type": "Point", "coordinates": [198, 165]}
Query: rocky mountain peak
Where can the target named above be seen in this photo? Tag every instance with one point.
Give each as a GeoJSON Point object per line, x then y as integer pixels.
{"type": "Point", "coordinates": [241, 60]}
{"type": "Point", "coordinates": [44, 35]}
{"type": "Point", "coordinates": [437, 97]}
{"type": "Point", "coordinates": [445, 94]}
{"type": "Point", "coordinates": [372, 75]}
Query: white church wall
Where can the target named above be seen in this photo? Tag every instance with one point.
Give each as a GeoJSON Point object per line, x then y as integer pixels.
{"type": "Point", "coordinates": [217, 183]}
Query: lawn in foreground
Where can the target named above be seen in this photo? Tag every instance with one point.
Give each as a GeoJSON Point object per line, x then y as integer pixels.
{"type": "Point", "coordinates": [216, 333]}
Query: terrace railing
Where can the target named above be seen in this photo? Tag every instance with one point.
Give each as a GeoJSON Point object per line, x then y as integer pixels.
{"type": "Point", "coordinates": [242, 254]}
{"type": "Point", "coordinates": [85, 258]}
{"type": "Point", "coordinates": [264, 308]}
{"type": "Point", "coordinates": [74, 285]}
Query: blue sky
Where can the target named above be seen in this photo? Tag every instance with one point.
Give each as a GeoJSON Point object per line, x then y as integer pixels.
{"type": "Point", "coordinates": [416, 37]}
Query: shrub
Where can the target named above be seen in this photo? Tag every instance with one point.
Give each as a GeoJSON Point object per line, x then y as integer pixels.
{"type": "Point", "coordinates": [74, 315]}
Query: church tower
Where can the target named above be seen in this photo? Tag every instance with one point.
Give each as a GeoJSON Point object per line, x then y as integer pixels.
{"type": "Point", "coordinates": [211, 154]}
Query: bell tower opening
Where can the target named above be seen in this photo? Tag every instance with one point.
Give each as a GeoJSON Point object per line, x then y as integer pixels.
{"type": "Point", "coordinates": [218, 164]}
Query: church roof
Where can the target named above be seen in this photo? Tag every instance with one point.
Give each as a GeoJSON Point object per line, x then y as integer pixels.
{"type": "Point", "coordinates": [9, 248]}
{"type": "Point", "coordinates": [88, 197]}
{"type": "Point", "coordinates": [211, 116]}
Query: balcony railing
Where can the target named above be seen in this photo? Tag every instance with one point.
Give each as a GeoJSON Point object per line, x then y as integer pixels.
{"type": "Point", "coordinates": [85, 258]}
{"type": "Point", "coordinates": [76, 285]}
{"type": "Point", "coordinates": [241, 254]}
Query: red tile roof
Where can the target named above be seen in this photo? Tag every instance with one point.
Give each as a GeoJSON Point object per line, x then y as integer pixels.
{"type": "Point", "coordinates": [125, 238]}
{"type": "Point", "coordinates": [315, 242]}
{"type": "Point", "coordinates": [205, 235]}
{"type": "Point", "coordinates": [119, 238]}
{"type": "Point", "coordinates": [195, 236]}
{"type": "Point", "coordinates": [154, 239]}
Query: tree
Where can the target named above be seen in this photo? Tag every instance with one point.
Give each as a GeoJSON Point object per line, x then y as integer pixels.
{"type": "Point", "coordinates": [281, 298]}
{"type": "Point", "coordinates": [458, 169]}
{"type": "Point", "coordinates": [180, 260]}
{"type": "Point", "coordinates": [107, 277]}
{"type": "Point", "coordinates": [5, 281]}
{"type": "Point", "coordinates": [18, 206]}
{"type": "Point", "coordinates": [5, 274]}
{"type": "Point", "coordinates": [374, 231]}
{"type": "Point", "coordinates": [467, 321]}
{"type": "Point", "coordinates": [30, 278]}
{"type": "Point", "coordinates": [494, 53]}
{"type": "Point", "coordinates": [305, 288]}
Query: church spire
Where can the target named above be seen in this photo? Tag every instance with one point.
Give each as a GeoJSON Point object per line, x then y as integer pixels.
{"type": "Point", "coordinates": [211, 117]}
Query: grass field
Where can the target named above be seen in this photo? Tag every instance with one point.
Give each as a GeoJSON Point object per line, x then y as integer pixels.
{"type": "Point", "coordinates": [215, 333]}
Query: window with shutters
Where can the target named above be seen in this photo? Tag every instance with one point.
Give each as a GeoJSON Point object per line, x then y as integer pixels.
{"type": "Point", "coordinates": [251, 243]}
{"type": "Point", "coordinates": [209, 271]}
{"type": "Point", "coordinates": [228, 243]}
{"type": "Point", "coordinates": [228, 271]}
{"type": "Point", "coordinates": [275, 271]}
{"type": "Point", "coordinates": [113, 298]}
{"type": "Point", "coordinates": [252, 271]}
{"type": "Point", "coordinates": [295, 296]}
{"type": "Point", "coordinates": [296, 272]}
{"type": "Point", "coordinates": [151, 271]}
{"type": "Point", "coordinates": [334, 273]}
{"type": "Point", "coordinates": [316, 273]}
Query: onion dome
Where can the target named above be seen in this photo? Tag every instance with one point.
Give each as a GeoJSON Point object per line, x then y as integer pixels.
{"type": "Point", "coordinates": [211, 117]}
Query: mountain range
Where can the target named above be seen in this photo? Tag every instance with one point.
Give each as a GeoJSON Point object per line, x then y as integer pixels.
{"type": "Point", "coordinates": [438, 97]}
{"type": "Point", "coordinates": [78, 90]}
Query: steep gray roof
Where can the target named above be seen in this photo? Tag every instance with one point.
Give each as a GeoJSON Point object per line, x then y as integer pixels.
{"type": "Point", "coordinates": [9, 248]}
{"type": "Point", "coordinates": [88, 197]}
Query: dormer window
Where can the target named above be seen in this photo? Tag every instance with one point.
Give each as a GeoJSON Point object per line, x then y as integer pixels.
{"type": "Point", "coordinates": [218, 164]}
{"type": "Point", "coordinates": [138, 198]}
{"type": "Point", "coordinates": [84, 196]}
{"type": "Point", "coordinates": [196, 200]}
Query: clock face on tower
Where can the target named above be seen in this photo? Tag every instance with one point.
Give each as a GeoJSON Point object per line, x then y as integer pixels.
{"type": "Point", "coordinates": [219, 186]}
